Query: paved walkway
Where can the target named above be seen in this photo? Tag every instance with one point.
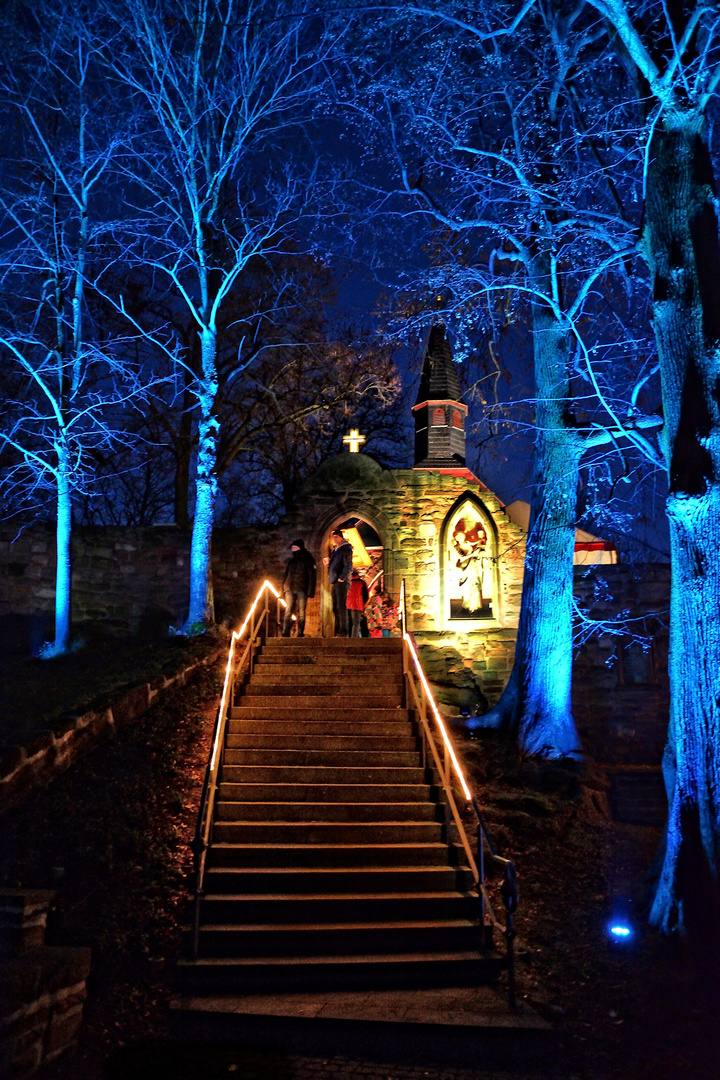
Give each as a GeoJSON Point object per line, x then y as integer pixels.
{"type": "Point", "coordinates": [474, 1007]}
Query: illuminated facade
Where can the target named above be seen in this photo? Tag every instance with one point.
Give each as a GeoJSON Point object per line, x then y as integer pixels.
{"type": "Point", "coordinates": [438, 526]}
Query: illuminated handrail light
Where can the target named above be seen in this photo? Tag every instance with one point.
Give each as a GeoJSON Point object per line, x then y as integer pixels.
{"type": "Point", "coordinates": [236, 635]}
{"type": "Point", "coordinates": [431, 699]}
{"type": "Point", "coordinates": [438, 717]}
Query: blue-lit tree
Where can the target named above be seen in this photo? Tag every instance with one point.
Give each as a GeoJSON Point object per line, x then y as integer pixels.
{"type": "Point", "coordinates": [221, 174]}
{"type": "Point", "coordinates": [282, 404]}
{"type": "Point", "coordinates": [673, 57]}
{"type": "Point", "coordinates": [64, 382]}
{"type": "Point", "coordinates": [502, 149]}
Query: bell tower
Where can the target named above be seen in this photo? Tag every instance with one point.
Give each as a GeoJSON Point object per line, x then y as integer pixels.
{"type": "Point", "coordinates": [439, 413]}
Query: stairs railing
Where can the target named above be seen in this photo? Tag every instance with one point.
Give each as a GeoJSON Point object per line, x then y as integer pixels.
{"type": "Point", "coordinates": [447, 766]}
{"type": "Point", "coordinates": [257, 624]}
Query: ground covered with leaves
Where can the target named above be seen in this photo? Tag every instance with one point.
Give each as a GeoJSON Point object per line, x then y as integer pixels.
{"type": "Point", "coordinates": [34, 693]}
{"type": "Point", "coordinates": [113, 834]}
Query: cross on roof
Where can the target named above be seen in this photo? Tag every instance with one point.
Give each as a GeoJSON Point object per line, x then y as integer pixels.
{"type": "Point", "coordinates": [354, 440]}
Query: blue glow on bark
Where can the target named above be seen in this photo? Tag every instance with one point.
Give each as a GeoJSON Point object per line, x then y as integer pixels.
{"type": "Point", "coordinates": [200, 609]}
{"type": "Point", "coordinates": [63, 568]}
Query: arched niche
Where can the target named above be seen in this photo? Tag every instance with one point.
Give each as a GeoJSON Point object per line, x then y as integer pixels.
{"type": "Point", "coordinates": [343, 510]}
{"type": "Point", "coordinates": [469, 576]}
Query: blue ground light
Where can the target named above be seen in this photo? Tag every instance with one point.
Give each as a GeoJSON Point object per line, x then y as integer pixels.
{"type": "Point", "coordinates": [620, 925]}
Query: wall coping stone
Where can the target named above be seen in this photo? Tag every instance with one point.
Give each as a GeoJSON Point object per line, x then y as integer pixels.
{"type": "Point", "coordinates": [49, 752]}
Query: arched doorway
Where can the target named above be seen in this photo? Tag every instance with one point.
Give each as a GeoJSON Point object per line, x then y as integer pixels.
{"type": "Point", "coordinates": [368, 551]}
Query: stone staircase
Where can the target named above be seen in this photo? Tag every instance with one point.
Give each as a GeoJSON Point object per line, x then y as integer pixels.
{"type": "Point", "coordinates": [329, 867]}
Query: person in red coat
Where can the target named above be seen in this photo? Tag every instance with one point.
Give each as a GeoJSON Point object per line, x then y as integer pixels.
{"type": "Point", "coordinates": [357, 598]}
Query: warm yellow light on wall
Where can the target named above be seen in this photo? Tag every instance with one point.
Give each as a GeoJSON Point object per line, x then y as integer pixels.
{"type": "Point", "coordinates": [360, 554]}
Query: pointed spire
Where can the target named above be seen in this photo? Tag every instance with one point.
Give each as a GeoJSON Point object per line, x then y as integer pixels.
{"type": "Point", "coordinates": [439, 380]}
{"type": "Point", "coordinates": [439, 413]}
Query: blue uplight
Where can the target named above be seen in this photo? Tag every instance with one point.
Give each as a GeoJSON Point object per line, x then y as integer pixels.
{"type": "Point", "coordinates": [620, 931]}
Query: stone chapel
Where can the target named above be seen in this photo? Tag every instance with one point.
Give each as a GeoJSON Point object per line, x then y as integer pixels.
{"type": "Point", "coordinates": [436, 525]}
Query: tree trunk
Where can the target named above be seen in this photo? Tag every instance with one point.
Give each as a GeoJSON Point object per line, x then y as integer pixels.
{"type": "Point", "coordinates": [535, 706]}
{"type": "Point", "coordinates": [681, 237]}
{"type": "Point", "coordinates": [201, 605]}
{"type": "Point", "coordinates": [183, 456]}
{"type": "Point", "coordinates": [63, 567]}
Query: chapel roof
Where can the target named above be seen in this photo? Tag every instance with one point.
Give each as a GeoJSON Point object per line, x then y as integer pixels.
{"type": "Point", "coordinates": [439, 380]}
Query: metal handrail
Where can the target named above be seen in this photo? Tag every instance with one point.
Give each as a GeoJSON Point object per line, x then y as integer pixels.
{"type": "Point", "coordinates": [203, 830]}
{"type": "Point", "coordinates": [424, 702]}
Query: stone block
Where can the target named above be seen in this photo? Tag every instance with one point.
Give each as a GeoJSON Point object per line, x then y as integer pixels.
{"type": "Point", "coordinates": [497, 663]}
{"type": "Point", "coordinates": [23, 919]}
{"type": "Point", "coordinates": [40, 741]}
{"type": "Point", "coordinates": [10, 759]}
{"type": "Point", "coordinates": [131, 705]}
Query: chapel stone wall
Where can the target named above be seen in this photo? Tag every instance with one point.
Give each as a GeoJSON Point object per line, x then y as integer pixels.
{"type": "Point", "coordinates": [408, 508]}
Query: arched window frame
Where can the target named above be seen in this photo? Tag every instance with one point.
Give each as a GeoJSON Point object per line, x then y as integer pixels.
{"type": "Point", "coordinates": [469, 502]}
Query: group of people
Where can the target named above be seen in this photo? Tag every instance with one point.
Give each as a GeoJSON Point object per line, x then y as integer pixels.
{"type": "Point", "coordinates": [350, 599]}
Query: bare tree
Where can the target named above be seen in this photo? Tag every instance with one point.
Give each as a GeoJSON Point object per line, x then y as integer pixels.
{"type": "Point", "coordinates": [65, 382]}
{"type": "Point", "coordinates": [672, 54]}
{"type": "Point", "coordinates": [222, 171]}
{"type": "Point", "coordinates": [290, 411]}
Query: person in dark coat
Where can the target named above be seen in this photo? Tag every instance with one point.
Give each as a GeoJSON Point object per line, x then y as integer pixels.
{"type": "Point", "coordinates": [298, 586]}
{"type": "Point", "coordinates": [339, 569]}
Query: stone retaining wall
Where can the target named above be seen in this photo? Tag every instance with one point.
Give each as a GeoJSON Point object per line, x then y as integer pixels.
{"type": "Point", "coordinates": [637, 795]}
{"type": "Point", "coordinates": [131, 579]}
{"type": "Point", "coordinates": [49, 752]}
{"type": "Point", "coordinates": [42, 988]}
{"type": "Point", "coordinates": [621, 693]}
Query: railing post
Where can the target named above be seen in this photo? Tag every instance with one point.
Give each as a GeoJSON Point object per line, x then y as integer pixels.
{"type": "Point", "coordinates": [485, 927]}
{"type": "Point", "coordinates": [510, 897]}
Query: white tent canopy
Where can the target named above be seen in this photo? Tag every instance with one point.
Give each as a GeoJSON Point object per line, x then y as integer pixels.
{"type": "Point", "coordinates": [589, 549]}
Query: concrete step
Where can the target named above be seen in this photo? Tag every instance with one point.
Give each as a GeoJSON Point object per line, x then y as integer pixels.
{"type": "Point", "coordinates": [344, 811]}
{"type": "Point", "coordinates": [320, 725]}
{"type": "Point", "coordinates": [327, 832]}
{"type": "Point", "coordinates": [338, 939]}
{"type": "Point", "coordinates": [458, 967]}
{"type": "Point", "coordinates": [367, 687]}
{"type": "Point", "coordinates": [337, 856]}
{"type": "Point", "coordinates": [324, 756]}
{"type": "Point", "coordinates": [328, 661]}
{"type": "Point", "coordinates": [319, 774]}
{"type": "Point", "coordinates": [324, 908]}
{"type": "Point", "coordinates": [290, 703]}
{"type": "Point", "coordinates": [362, 646]}
{"type": "Point", "coordinates": [300, 881]}
{"type": "Point", "coordinates": [247, 740]}
{"type": "Point", "coordinates": [328, 864]}
{"type": "Point", "coordinates": [238, 791]}
{"type": "Point", "coordinates": [328, 667]}
{"type": "Point", "coordinates": [295, 712]}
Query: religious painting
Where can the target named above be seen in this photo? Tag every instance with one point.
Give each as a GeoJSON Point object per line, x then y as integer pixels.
{"type": "Point", "coordinates": [468, 566]}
